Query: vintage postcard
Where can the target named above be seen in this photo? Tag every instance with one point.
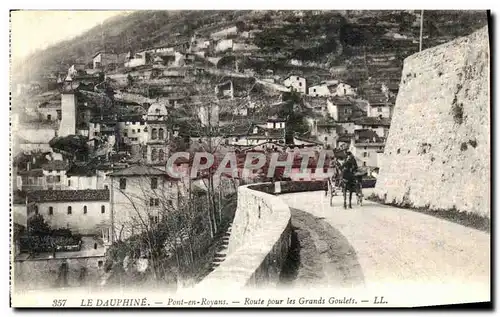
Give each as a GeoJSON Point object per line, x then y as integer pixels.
{"type": "Point", "coordinates": [238, 158]}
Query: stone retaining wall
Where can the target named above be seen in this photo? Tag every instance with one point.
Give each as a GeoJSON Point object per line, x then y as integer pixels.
{"type": "Point", "coordinates": [438, 149]}
{"type": "Point", "coordinates": [258, 246]}
{"type": "Point", "coordinates": [47, 273]}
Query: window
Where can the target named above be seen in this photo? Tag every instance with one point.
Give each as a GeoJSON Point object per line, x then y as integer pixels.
{"type": "Point", "coordinates": [161, 155]}
{"type": "Point", "coordinates": [314, 90]}
{"type": "Point", "coordinates": [379, 109]}
{"type": "Point", "coordinates": [151, 201]}
{"type": "Point", "coordinates": [59, 114]}
{"type": "Point", "coordinates": [298, 78]}
{"type": "Point", "coordinates": [364, 148]}
{"type": "Point", "coordinates": [300, 84]}
{"type": "Point", "coordinates": [106, 187]}
{"type": "Point", "coordinates": [123, 183]}
{"type": "Point", "coordinates": [142, 123]}
{"type": "Point", "coordinates": [138, 130]}
{"type": "Point", "coordinates": [69, 210]}
{"type": "Point", "coordinates": [169, 202]}
{"type": "Point", "coordinates": [49, 117]}
{"type": "Point", "coordinates": [326, 138]}
{"type": "Point", "coordinates": [99, 263]}
{"type": "Point", "coordinates": [36, 210]}
{"type": "Point", "coordinates": [58, 179]}
{"type": "Point", "coordinates": [154, 183]}
{"type": "Point", "coordinates": [154, 134]}
{"type": "Point", "coordinates": [157, 111]}
{"type": "Point", "coordinates": [364, 163]}
{"type": "Point", "coordinates": [133, 130]}
{"type": "Point", "coordinates": [84, 210]}
{"type": "Point", "coordinates": [51, 210]}
{"type": "Point", "coordinates": [69, 182]}
{"type": "Point", "coordinates": [103, 209]}
{"type": "Point", "coordinates": [346, 111]}
{"type": "Point", "coordinates": [161, 134]}
{"type": "Point", "coordinates": [365, 154]}
{"type": "Point", "coordinates": [157, 202]}
{"type": "Point", "coordinates": [50, 178]}
{"type": "Point", "coordinates": [154, 155]}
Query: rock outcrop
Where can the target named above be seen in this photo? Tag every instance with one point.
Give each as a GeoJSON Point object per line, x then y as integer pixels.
{"type": "Point", "coordinates": [438, 149]}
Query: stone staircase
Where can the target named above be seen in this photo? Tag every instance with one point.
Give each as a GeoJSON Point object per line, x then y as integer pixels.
{"type": "Point", "coordinates": [221, 253]}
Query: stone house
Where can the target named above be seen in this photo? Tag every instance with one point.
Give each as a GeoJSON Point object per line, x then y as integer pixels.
{"type": "Point", "coordinates": [105, 59]}
{"type": "Point", "coordinates": [366, 146]}
{"type": "Point", "coordinates": [85, 212]}
{"type": "Point", "coordinates": [379, 106]}
{"type": "Point", "coordinates": [141, 196]}
{"type": "Point", "coordinates": [296, 83]}
{"type": "Point", "coordinates": [380, 125]}
{"type": "Point", "coordinates": [55, 174]}
{"type": "Point", "coordinates": [331, 88]}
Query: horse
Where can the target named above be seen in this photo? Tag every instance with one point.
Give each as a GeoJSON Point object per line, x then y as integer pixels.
{"type": "Point", "coordinates": [333, 182]}
{"type": "Point", "coordinates": [352, 182]}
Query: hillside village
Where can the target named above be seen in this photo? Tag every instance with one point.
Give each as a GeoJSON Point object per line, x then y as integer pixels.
{"type": "Point", "coordinates": [90, 145]}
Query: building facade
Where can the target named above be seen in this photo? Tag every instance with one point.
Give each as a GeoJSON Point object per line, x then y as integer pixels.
{"type": "Point", "coordinates": [85, 212]}
{"type": "Point", "coordinates": [158, 134]}
{"type": "Point", "coordinates": [141, 196]}
{"type": "Point", "coordinates": [296, 83]}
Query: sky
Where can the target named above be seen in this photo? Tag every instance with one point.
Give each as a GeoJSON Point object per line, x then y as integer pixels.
{"type": "Point", "coordinates": [34, 30]}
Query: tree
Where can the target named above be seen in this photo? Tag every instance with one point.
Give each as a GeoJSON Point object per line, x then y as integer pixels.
{"type": "Point", "coordinates": [37, 226]}
{"type": "Point", "coordinates": [71, 146]}
{"type": "Point", "coordinates": [171, 225]}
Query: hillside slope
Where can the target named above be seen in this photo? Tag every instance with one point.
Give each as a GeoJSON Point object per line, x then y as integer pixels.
{"type": "Point", "coordinates": [363, 44]}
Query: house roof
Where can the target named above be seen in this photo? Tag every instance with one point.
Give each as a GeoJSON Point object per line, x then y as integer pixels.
{"type": "Point", "coordinates": [341, 101]}
{"type": "Point", "coordinates": [139, 170]}
{"type": "Point", "coordinates": [293, 74]}
{"type": "Point", "coordinates": [271, 134]}
{"type": "Point", "coordinates": [303, 139]}
{"type": "Point", "coordinates": [373, 121]}
{"type": "Point", "coordinates": [367, 136]}
{"type": "Point", "coordinates": [33, 173]}
{"type": "Point", "coordinates": [345, 138]}
{"type": "Point", "coordinates": [41, 196]}
{"type": "Point", "coordinates": [55, 165]}
{"type": "Point", "coordinates": [377, 99]}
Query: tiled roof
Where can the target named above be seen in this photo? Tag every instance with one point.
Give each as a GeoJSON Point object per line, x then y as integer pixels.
{"type": "Point", "coordinates": [139, 170]}
{"type": "Point", "coordinates": [373, 121]}
{"type": "Point", "coordinates": [340, 101]}
{"type": "Point", "coordinates": [55, 165]}
{"type": "Point", "coordinates": [41, 196]}
{"type": "Point", "coordinates": [367, 136]}
{"type": "Point", "coordinates": [307, 140]}
{"type": "Point", "coordinates": [345, 138]}
{"type": "Point", "coordinates": [33, 173]}
{"type": "Point", "coordinates": [376, 99]}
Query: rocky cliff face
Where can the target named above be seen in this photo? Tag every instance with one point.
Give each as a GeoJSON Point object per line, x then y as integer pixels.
{"type": "Point", "coordinates": [438, 148]}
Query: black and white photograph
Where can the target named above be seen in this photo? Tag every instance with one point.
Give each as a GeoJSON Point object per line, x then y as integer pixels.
{"type": "Point", "coordinates": [250, 158]}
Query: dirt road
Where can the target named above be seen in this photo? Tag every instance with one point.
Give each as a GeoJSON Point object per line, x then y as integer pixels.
{"type": "Point", "coordinates": [376, 245]}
